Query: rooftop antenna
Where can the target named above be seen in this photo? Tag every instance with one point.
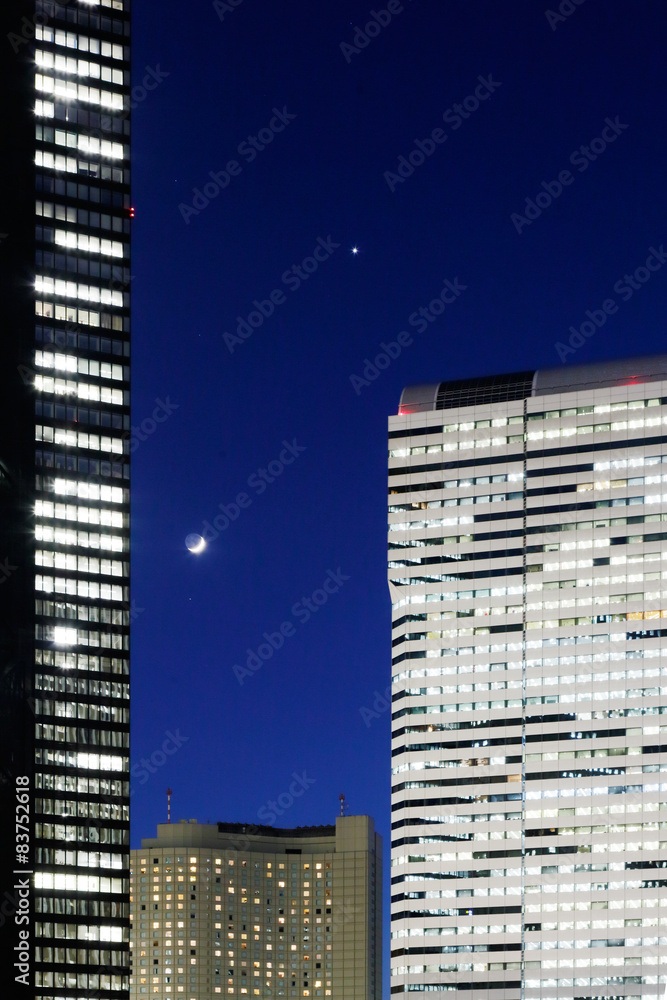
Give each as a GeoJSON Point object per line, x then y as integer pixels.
{"type": "Point", "coordinates": [343, 804]}
{"type": "Point", "coordinates": [169, 795]}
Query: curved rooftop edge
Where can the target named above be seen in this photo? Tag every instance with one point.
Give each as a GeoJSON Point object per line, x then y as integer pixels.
{"type": "Point", "coordinates": [541, 382]}
{"type": "Point", "coordinates": [277, 831]}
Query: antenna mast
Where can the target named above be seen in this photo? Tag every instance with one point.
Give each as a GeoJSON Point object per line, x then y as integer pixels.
{"type": "Point", "coordinates": [169, 795]}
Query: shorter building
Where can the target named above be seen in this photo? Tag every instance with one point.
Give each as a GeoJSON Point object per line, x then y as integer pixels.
{"type": "Point", "coordinates": [257, 911]}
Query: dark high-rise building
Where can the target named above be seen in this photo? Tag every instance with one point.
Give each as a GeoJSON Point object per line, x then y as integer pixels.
{"type": "Point", "coordinates": [64, 498]}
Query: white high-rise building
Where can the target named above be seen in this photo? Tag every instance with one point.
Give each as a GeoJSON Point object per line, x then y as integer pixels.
{"type": "Point", "coordinates": [528, 575]}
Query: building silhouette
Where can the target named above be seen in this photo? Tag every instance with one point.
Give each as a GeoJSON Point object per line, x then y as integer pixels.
{"type": "Point", "coordinates": [64, 498]}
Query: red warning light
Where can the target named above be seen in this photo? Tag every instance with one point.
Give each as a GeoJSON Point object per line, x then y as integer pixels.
{"type": "Point", "coordinates": [132, 213]}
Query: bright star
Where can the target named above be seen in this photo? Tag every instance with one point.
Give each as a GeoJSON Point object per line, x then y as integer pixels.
{"type": "Point", "coordinates": [355, 250]}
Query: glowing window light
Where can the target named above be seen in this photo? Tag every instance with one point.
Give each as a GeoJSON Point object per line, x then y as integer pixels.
{"type": "Point", "coordinates": [65, 636]}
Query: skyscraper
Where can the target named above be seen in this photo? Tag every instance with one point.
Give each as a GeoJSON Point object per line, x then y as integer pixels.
{"type": "Point", "coordinates": [246, 911]}
{"type": "Point", "coordinates": [64, 498]}
{"type": "Point", "coordinates": [528, 575]}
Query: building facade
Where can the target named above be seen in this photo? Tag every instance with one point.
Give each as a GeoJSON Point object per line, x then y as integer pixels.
{"type": "Point", "coordinates": [257, 911]}
{"type": "Point", "coordinates": [64, 498]}
{"type": "Point", "coordinates": [528, 576]}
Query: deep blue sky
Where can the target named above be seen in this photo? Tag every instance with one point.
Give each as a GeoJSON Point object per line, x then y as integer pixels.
{"type": "Point", "coordinates": [323, 177]}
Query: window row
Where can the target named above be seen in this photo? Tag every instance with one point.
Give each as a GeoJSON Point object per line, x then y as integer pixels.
{"type": "Point", "coordinates": [88, 144]}
{"type": "Point", "coordinates": [79, 439]}
{"type": "Point", "coordinates": [70, 65]}
{"type": "Point", "coordinates": [83, 786]}
{"type": "Point", "coordinates": [45, 285]}
{"type": "Point", "coordinates": [62, 660]}
{"type": "Point", "coordinates": [635, 404]}
{"type": "Point", "coordinates": [83, 242]}
{"type": "Point", "coordinates": [82, 612]}
{"type": "Point", "coordinates": [93, 983]}
{"type": "Point", "coordinates": [93, 193]}
{"type": "Point", "coordinates": [75, 463]}
{"type": "Point", "coordinates": [89, 491]}
{"type": "Point", "coordinates": [580, 582]}
{"type": "Point", "coordinates": [82, 317]}
{"type": "Point", "coordinates": [78, 883]}
{"type": "Point", "coordinates": [80, 564]}
{"type": "Point", "coordinates": [614, 426]}
{"type": "Point", "coordinates": [92, 22]}
{"type": "Point", "coordinates": [81, 216]}
{"type": "Point", "coordinates": [84, 735]}
{"type": "Point", "coordinates": [66, 90]}
{"type": "Point", "coordinates": [72, 40]}
{"type": "Point", "coordinates": [621, 560]}
{"type": "Point", "coordinates": [86, 906]}
{"type": "Point", "coordinates": [79, 588]}
{"type": "Point", "coordinates": [62, 636]}
{"type": "Point", "coordinates": [85, 342]}
{"type": "Point", "coordinates": [71, 165]}
{"type": "Point", "coordinates": [79, 859]}
{"type": "Point", "coordinates": [101, 120]}
{"type": "Point", "coordinates": [82, 539]}
{"type": "Point", "coordinates": [80, 415]}
{"type": "Point", "coordinates": [83, 809]}
{"type": "Point", "coordinates": [567, 640]}
{"type": "Point", "coordinates": [632, 404]}
{"type": "Point", "coordinates": [535, 529]}
{"type": "Point", "coordinates": [81, 366]}
{"type": "Point", "coordinates": [567, 698]}
{"type": "Point", "coordinates": [67, 684]}
{"type": "Point", "coordinates": [95, 268]}
{"type": "Point", "coordinates": [500, 440]}
{"type": "Point", "coordinates": [82, 710]}
{"type": "Point", "coordinates": [84, 515]}
{"type": "Point", "coordinates": [597, 619]}
{"type": "Point", "coordinates": [509, 609]}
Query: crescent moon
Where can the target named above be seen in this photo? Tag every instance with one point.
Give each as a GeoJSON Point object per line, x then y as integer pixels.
{"type": "Point", "coordinates": [195, 544]}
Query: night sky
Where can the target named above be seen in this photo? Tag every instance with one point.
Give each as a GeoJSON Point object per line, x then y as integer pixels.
{"type": "Point", "coordinates": [254, 324]}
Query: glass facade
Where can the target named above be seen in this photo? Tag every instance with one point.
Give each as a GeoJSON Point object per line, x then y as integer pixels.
{"type": "Point", "coordinates": [528, 574]}
{"type": "Point", "coordinates": [67, 499]}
